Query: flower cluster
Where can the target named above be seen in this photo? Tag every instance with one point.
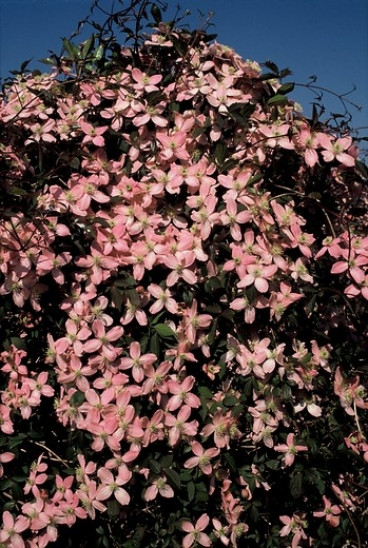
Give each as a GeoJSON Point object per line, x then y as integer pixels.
{"type": "Point", "coordinates": [183, 297]}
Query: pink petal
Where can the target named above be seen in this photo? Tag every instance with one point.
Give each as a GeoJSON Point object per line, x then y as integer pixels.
{"type": "Point", "coordinates": [187, 526]}
{"type": "Point", "coordinates": [103, 492]}
{"type": "Point", "coordinates": [188, 541]}
{"type": "Point", "coordinates": [204, 540]}
{"type": "Point", "coordinates": [135, 350]}
{"type": "Point", "coordinates": [202, 522]}
{"type": "Point", "coordinates": [151, 493]}
{"type": "Point", "coordinates": [105, 475]}
{"type": "Point", "coordinates": [261, 285]}
{"type": "Point", "coordinates": [167, 492]}
{"type": "Point", "coordinates": [122, 496]}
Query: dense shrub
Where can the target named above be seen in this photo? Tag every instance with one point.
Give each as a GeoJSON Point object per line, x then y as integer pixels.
{"type": "Point", "coordinates": [184, 289]}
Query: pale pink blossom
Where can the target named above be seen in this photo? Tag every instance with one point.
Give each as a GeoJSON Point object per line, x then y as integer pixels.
{"type": "Point", "coordinates": [195, 532]}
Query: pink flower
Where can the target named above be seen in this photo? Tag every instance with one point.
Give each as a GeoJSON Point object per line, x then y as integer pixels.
{"type": "Point", "coordinates": [103, 340]}
{"type": "Point", "coordinates": [290, 449]}
{"type": "Point", "coordinates": [192, 321]}
{"type": "Point", "coordinates": [221, 531]}
{"type": "Point", "coordinates": [92, 134]}
{"type": "Point", "coordinates": [164, 299]}
{"type": "Point", "coordinates": [180, 266]}
{"type": "Point", "coordinates": [233, 218]}
{"type": "Point", "coordinates": [5, 457]}
{"type": "Point", "coordinates": [294, 525]}
{"type": "Point", "coordinates": [161, 487]}
{"type": "Point", "coordinates": [330, 512]}
{"type": "Point", "coordinates": [309, 142]}
{"type": "Point", "coordinates": [137, 362]}
{"type": "Point", "coordinates": [145, 82]}
{"type": "Point", "coordinates": [179, 425]}
{"type": "Point", "coordinates": [202, 458]}
{"type": "Point", "coordinates": [173, 145]}
{"type": "Point", "coordinates": [9, 533]}
{"type": "Point", "coordinates": [259, 275]}
{"type": "Point", "coordinates": [220, 427]}
{"type": "Point", "coordinates": [182, 394]}
{"type": "Point", "coordinates": [42, 132]}
{"type": "Point", "coordinates": [195, 533]}
{"type": "Point", "coordinates": [112, 486]}
{"type": "Point", "coordinates": [69, 510]}
{"type": "Point", "coordinates": [336, 149]}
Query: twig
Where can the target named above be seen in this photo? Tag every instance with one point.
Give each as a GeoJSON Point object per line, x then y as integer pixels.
{"type": "Point", "coordinates": [64, 462]}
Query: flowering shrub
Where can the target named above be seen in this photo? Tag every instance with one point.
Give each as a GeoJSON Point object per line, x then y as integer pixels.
{"type": "Point", "coordinates": [184, 282]}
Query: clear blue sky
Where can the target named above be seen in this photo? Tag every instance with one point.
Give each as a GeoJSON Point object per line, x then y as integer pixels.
{"type": "Point", "coordinates": [328, 38]}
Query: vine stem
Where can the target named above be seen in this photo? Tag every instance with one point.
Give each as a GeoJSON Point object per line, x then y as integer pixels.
{"type": "Point", "coordinates": [51, 452]}
{"type": "Point", "coordinates": [357, 422]}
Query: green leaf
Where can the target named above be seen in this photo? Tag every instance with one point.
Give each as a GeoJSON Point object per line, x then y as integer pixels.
{"type": "Point", "coordinates": [202, 496]}
{"type": "Point", "coordinates": [77, 398]}
{"type": "Point", "coordinates": [213, 309]}
{"type": "Point", "coordinates": [74, 163]}
{"type": "Point", "coordinates": [117, 297]}
{"type": "Point", "coordinates": [286, 88]}
{"type": "Point", "coordinates": [186, 475]}
{"type": "Point", "coordinates": [362, 169]}
{"type": "Point", "coordinates": [230, 401]}
{"type": "Point", "coordinates": [126, 281]}
{"type": "Point", "coordinates": [173, 478]}
{"type": "Point", "coordinates": [5, 485]}
{"type": "Point", "coordinates": [272, 66]}
{"type": "Point", "coordinates": [284, 73]}
{"type": "Point", "coordinates": [179, 45]}
{"type": "Point", "coordinates": [71, 48]}
{"type": "Point", "coordinates": [35, 435]}
{"type": "Point", "coordinates": [278, 100]}
{"type": "Point", "coordinates": [166, 461]}
{"type": "Point", "coordinates": [99, 52]}
{"type": "Point", "coordinates": [23, 66]}
{"type": "Point", "coordinates": [296, 485]}
{"type": "Point", "coordinates": [191, 490]}
{"type": "Point", "coordinates": [255, 179]}
{"type": "Point", "coordinates": [230, 461]}
{"type": "Point", "coordinates": [155, 344]}
{"type": "Point", "coordinates": [47, 61]}
{"type": "Point", "coordinates": [164, 331]}
{"type": "Point", "coordinates": [154, 466]}
{"type": "Point", "coordinates": [156, 14]}
{"type": "Point", "coordinates": [17, 191]}
{"type": "Point", "coordinates": [212, 284]}
{"type": "Point", "coordinates": [266, 76]}
{"type": "Point", "coordinates": [18, 343]}
{"type": "Point", "coordinates": [286, 392]}
{"type": "Point", "coordinates": [211, 337]}
{"type": "Point", "coordinates": [272, 464]}
{"type": "Point", "coordinates": [19, 479]}
{"type": "Point", "coordinates": [113, 509]}
{"type": "Point", "coordinates": [87, 46]}
{"type": "Point", "coordinates": [220, 153]}
{"type": "Point", "coordinates": [205, 392]}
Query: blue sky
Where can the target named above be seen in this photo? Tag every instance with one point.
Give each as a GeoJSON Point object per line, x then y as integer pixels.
{"type": "Point", "coordinates": [326, 38]}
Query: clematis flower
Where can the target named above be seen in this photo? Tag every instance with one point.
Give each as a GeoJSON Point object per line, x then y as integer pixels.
{"type": "Point", "coordinates": [330, 512]}
{"type": "Point", "coordinates": [202, 458]}
{"type": "Point", "coordinates": [289, 449]}
{"type": "Point", "coordinates": [336, 149]}
{"type": "Point", "coordinates": [137, 362]}
{"type": "Point", "coordinates": [195, 533]}
{"type": "Point", "coordinates": [111, 485]}
{"type": "Point", "coordinates": [159, 487]}
{"type": "Point", "coordinates": [93, 134]}
{"type": "Point", "coordinates": [9, 533]}
{"type": "Point", "coordinates": [294, 525]}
